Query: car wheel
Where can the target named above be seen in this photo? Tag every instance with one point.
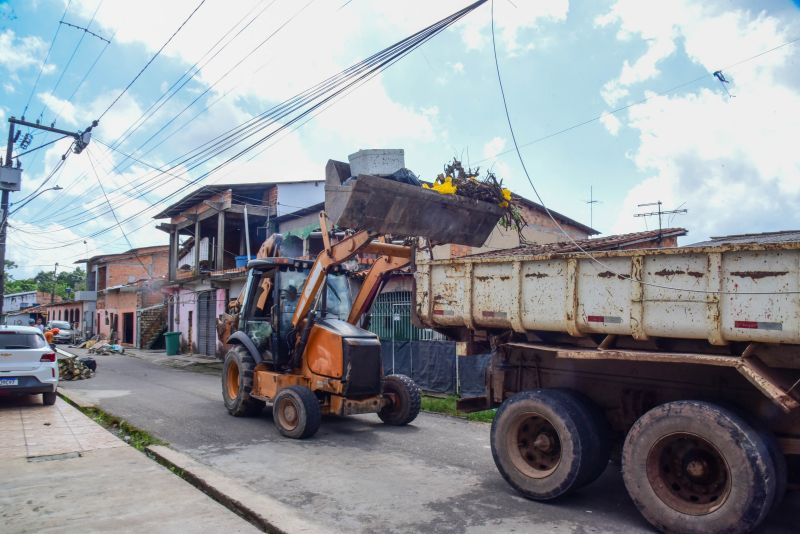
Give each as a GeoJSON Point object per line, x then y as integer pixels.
{"type": "Point", "coordinates": [49, 398]}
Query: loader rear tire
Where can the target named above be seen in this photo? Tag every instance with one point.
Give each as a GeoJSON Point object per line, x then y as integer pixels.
{"type": "Point", "coordinates": [404, 403]}
{"type": "Point", "coordinates": [237, 383]}
{"type": "Point", "coordinates": [695, 467]}
{"type": "Point", "coordinates": [545, 444]}
{"type": "Point", "coordinates": [296, 412]}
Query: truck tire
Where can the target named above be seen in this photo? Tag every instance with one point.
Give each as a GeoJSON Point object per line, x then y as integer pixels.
{"type": "Point", "coordinates": [296, 412]}
{"type": "Point", "coordinates": [405, 400]}
{"type": "Point", "coordinates": [696, 467]}
{"type": "Point", "coordinates": [237, 383]}
{"type": "Point", "coordinates": [544, 443]}
{"type": "Point", "coordinates": [600, 450]}
{"type": "Point", "coordinates": [49, 398]}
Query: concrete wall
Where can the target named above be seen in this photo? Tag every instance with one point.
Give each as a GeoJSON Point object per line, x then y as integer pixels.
{"type": "Point", "coordinates": [116, 303]}
{"type": "Point", "coordinates": [184, 306]}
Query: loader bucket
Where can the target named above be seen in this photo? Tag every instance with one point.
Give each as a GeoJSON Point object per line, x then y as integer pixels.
{"type": "Point", "coordinates": [385, 206]}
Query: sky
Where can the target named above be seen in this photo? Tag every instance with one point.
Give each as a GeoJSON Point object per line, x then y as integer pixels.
{"type": "Point", "coordinates": [616, 96]}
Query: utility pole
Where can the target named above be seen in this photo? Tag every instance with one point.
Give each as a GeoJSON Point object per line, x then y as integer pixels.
{"type": "Point", "coordinates": [659, 212]}
{"type": "Point", "coordinates": [11, 180]}
{"type": "Point", "coordinates": [53, 290]}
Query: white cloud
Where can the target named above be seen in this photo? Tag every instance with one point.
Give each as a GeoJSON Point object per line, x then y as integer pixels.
{"type": "Point", "coordinates": [8, 87]}
{"type": "Point", "coordinates": [729, 159]}
{"type": "Point", "coordinates": [493, 147]}
{"type": "Point", "coordinates": [611, 123]}
{"type": "Point", "coordinates": [511, 20]}
{"type": "Point", "coordinates": [62, 108]}
{"type": "Point", "coordinates": [22, 52]}
{"type": "Point", "coordinates": [458, 67]}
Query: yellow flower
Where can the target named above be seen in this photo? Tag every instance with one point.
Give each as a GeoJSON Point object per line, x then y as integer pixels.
{"type": "Point", "coordinates": [506, 194]}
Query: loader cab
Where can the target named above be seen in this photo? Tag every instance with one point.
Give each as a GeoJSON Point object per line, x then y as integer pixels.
{"type": "Point", "coordinates": [271, 294]}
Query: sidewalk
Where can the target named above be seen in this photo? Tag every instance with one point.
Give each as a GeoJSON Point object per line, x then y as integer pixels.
{"type": "Point", "coordinates": [62, 472]}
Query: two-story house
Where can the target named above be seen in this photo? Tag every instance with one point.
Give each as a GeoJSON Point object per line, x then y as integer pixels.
{"type": "Point", "coordinates": [213, 231]}
{"type": "Point", "coordinates": [125, 286]}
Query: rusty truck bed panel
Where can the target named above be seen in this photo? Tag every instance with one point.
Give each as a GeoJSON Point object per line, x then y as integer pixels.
{"type": "Point", "coordinates": [733, 293]}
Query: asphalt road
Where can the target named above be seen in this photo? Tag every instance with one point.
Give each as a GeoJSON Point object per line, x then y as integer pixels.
{"type": "Point", "coordinates": [356, 474]}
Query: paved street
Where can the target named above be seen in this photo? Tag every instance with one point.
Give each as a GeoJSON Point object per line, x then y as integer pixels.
{"type": "Point", "coordinates": [357, 474]}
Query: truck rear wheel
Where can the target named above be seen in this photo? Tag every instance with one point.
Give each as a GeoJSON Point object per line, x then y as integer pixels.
{"type": "Point", "coordinates": [695, 467]}
{"type": "Point", "coordinates": [237, 383]}
{"type": "Point", "coordinates": [296, 412]}
{"type": "Point", "coordinates": [404, 400]}
{"type": "Point", "coordinates": [545, 444]}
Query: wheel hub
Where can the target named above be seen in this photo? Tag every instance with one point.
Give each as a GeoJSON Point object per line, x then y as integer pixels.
{"type": "Point", "coordinates": [688, 473]}
{"type": "Point", "coordinates": [536, 449]}
{"type": "Point", "coordinates": [232, 380]}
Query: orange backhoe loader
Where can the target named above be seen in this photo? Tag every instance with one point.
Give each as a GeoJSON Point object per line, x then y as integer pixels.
{"type": "Point", "coordinates": [298, 342]}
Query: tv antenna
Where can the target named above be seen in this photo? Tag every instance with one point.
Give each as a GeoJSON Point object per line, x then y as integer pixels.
{"type": "Point", "coordinates": [658, 212]}
{"type": "Point", "coordinates": [591, 202]}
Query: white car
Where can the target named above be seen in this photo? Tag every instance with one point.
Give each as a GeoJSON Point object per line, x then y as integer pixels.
{"type": "Point", "coordinates": [28, 365]}
{"type": "Point", "coordinates": [64, 331]}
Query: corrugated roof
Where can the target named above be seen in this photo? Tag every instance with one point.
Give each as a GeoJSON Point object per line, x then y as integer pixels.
{"type": "Point", "coordinates": [611, 242]}
{"type": "Point", "coordinates": [784, 236]}
{"type": "Point", "coordinates": [208, 191]}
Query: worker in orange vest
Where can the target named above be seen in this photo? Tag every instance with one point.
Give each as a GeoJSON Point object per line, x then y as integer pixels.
{"type": "Point", "coordinates": [50, 334]}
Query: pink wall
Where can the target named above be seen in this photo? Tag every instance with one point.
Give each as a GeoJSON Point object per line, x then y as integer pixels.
{"type": "Point", "coordinates": [185, 301]}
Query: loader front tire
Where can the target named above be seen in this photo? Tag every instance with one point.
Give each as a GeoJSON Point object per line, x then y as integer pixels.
{"type": "Point", "coordinates": [404, 400]}
{"type": "Point", "coordinates": [296, 412]}
{"type": "Point", "coordinates": [237, 383]}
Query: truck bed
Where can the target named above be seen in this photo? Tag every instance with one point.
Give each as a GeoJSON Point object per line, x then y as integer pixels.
{"type": "Point", "coordinates": [730, 293]}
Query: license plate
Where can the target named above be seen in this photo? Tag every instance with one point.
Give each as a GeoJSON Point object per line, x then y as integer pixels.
{"type": "Point", "coordinates": [9, 381]}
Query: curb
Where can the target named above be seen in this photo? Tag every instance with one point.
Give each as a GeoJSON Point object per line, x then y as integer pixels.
{"type": "Point", "coordinates": [264, 512]}
{"type": "Point", "coordinates": [75, 399]}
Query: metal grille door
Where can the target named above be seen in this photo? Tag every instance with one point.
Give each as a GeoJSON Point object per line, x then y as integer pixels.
{"type": "Point", "coordinates": [206, 323]}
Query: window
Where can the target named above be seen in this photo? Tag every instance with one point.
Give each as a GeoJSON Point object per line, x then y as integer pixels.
{"type": "Point", "coordinates": [13, 340]}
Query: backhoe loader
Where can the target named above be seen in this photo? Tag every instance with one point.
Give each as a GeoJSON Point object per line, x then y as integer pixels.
{"type": "Point", "coordinates": [298, 343]}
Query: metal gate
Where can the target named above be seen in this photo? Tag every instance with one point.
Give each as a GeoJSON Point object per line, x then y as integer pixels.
{"type": "Point", "coordinates": [206, 323]}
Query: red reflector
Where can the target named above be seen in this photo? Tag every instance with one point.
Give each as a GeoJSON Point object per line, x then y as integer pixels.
{"type": "Point", "coordinates": [595, 318]}
{"type": "Point", "coordinates": [745, 324]}
{"type": "Point", "coordinates": [49, 357]}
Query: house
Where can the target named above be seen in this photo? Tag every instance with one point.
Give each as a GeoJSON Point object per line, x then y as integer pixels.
{"type": "Point", "coordinates": [783, 236]}
{"type": "Point", "coordinates": [18, 308]}
{"type": "Point", "coordinates": [212, 233]}
{"type": "Point", "coordinates": [126, 286]}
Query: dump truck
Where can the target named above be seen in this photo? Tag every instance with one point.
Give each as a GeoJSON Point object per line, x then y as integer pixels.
{"type": "Point", "coordinates": [683, 363]}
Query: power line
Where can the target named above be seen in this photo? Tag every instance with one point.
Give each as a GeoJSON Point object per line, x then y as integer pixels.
{"type": "Point", "coordinates": [46, 57]}
{"type": "Point", "coordinates": [74, 52]}
{"type": "Point", "coordinates": [653, 94]}
{"type": "Point", "coordinates": [308, 101]}
{"type": "Point", "coordinates": [141, 71]}
{"type": "Point", "coordinates": [561, 229]}
{"type": "Point", "coordinates": [121, 229]}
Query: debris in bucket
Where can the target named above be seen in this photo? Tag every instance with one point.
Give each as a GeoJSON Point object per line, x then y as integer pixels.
{"type": "Point", "coordinates": [456, 180]}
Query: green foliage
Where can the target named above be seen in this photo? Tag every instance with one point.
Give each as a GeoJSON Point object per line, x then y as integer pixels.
{"type": "Point", "coordinates": [447, 406]}
{"type": "Point", "coordinates": [74, 280]}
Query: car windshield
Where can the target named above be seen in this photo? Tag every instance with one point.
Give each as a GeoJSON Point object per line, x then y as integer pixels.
{"type": "Point", "coordinates": [61, 325]}
{"type": "Point", "coordinates": [14, 340]}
